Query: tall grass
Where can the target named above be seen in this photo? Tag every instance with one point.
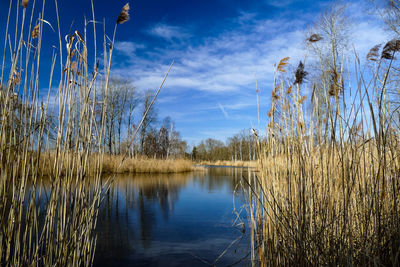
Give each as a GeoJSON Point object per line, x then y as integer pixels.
{"type": "Point", "coordinates": [328, 188]}
{"type": "Point", "coordinates": [43, 226]}
{"type": "Point", "coordinates": [111, 164]}
{"type": "Point", "coordinates": [238, 163]}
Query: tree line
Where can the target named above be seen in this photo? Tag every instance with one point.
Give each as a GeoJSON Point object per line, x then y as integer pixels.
{"type": "Point", "coordinates": [241, 146]}
{"type": "Point", "coordinates": [155, 138]}
{"type": "Point", "coordinates": [125, 107]}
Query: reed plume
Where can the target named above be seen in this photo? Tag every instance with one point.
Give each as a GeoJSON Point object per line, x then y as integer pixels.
{"type": "Point", "coordinates": [314, 38]}
{"type": "Point", "coordinates": [24, 3]}
{"type": "Point", "coordinates": [124, 15]}
{"type": "Point", "coordinates": [300, 74]}
{"type": "Point", "coordinates": [373, 53]}
{"type": "Point", "coordinates": [35, 31]}
{"type": "Point", "coordinates": [390, 48]}
{"type": "Point", "coordinates": [282, 64]}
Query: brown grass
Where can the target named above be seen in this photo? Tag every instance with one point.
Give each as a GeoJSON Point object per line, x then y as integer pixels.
{"type": "Point", "coordinates": [49, 224]}
{"type": "Point", "coordinates": [142, 165]}
{"type": "Point", "coordinates": [250, 164]}
{"type": "Point", "coordinates": [129, 166]}
{"type": "Point", "coordinates": [328, 190]}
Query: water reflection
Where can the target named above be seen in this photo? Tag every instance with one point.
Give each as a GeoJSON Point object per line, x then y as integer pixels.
{"type": "Point", "coordinates": [219, 177]}
{"type": "Point", "coordinates": [170, 220]}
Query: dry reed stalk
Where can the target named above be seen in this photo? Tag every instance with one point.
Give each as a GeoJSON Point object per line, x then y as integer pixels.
{"type": "Point", "coordinates": [327, 199]}
{"type": "Point", "coordinates": [53, 223]}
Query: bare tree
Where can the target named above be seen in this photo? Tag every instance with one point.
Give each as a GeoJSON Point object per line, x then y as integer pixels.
{"type": "Point", "coordinates": [169, 127]}
{"type": "Point", "coordinates": [149, 120]}
{"type": "Point", "coordinates": [163, 142]}
{"type": "Point", "coordinates": [177, 147]}
{"type": "Point", "coordinates": [126, 98]}
{"type": "Point", "coordinates": [390, 14]}
{"type": "Point", "coordinates": [121, 102]}
{"type": "Point", "coordinates": [151, 144]}
{"type": "Point", "coordinates": [328, 42]}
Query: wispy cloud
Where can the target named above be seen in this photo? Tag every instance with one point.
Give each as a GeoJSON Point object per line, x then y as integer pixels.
{"type": "Point", "coordinates": [226, 63]}
{"type": "Point", "coordinates": [169, 32]}
{"type": "Point", "coordinates": [280, 3]}
{"type": "Point", "coordinates": [128, 48]}
{"type": "Point", "coordinates": [221, 68]}
{"type": "Point", "coordinates": [365, 36]}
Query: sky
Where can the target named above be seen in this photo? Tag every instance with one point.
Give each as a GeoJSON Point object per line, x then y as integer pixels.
{"type": "Point", "coordinates": [218, 47]}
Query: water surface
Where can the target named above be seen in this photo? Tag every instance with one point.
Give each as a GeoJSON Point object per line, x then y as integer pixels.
{"type": "Point", "coordinates": [174, 220]}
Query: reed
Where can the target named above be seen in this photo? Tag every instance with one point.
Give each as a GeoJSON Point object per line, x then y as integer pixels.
{"type": "Point", "coordinates": [111, 165]}
{"type": "Point", "coordinates": [238, 163]}
{"type": "Point", "coordinates": [144, 165]}
{"type": "Point", "coordinates": [328, 188]}
{"type": "Point", "coordinates": [50, 224]}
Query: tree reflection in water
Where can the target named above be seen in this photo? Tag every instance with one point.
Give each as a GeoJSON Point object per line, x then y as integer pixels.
{"type": "Point", "coordinates": [137, 217]}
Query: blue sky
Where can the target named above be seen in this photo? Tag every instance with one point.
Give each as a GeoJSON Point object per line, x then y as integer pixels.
{"type": "Point", "coordinates": [217, 46]}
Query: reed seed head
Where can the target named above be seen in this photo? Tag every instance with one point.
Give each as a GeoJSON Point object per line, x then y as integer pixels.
{"type": "Point", "coordinates": [373, 54]}
{"type": "Point", "coordinates": [282, 64]}
{"type": "Point", "coordinates": [275, 95]}
{"type": "Point", "coordinates": [332, 91]}
{"type": "Point", "coordinates": [300, 73]}
{"type": "Point", "coordinates": [15, 79]}
{"type": "Point", "coordinates": [302, 99]}
{"type": "Point", "coordinates": [300, 124]}
{"type": "Point", "coordinates": [289, 90]}
{"type": "Point", "coordinates": [390, 48]}
{"type": "Point", "coordinates": [270, 124]}
{"type": "Point", "coordinates": [24, 3]}
{"type": "Point", "coordinates": [334, 88]}
{"type": "Point", "coordinates": [35, 31]}
{"type": "Point", "coordinates": [314, 38]}
{"type": "Point", "coordinates": [74, 66]}
{"type": "Point", "coordinates": [124, 15]}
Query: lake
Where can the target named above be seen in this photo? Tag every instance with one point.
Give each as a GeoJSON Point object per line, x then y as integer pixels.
{"type": "Point", "coordinates": [190, 219]}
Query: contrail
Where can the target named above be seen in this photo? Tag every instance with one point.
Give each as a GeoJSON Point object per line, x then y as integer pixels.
{"type": "Point", "coordinates": [223, 110]}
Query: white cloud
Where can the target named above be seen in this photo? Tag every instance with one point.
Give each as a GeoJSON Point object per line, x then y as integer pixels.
{"type": "Point", "coordinates": [365, 36]}
{"type": "Point", "coordinates": [128, 48]}
{"type": "Point", "coordinates": [169, 32]}
{"type": "Point", "coordinates": [225, 63]}
{"type": "Point", "coordinates": [223, 66]}
{"type": "Point", "coordinates": [240, 104]}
